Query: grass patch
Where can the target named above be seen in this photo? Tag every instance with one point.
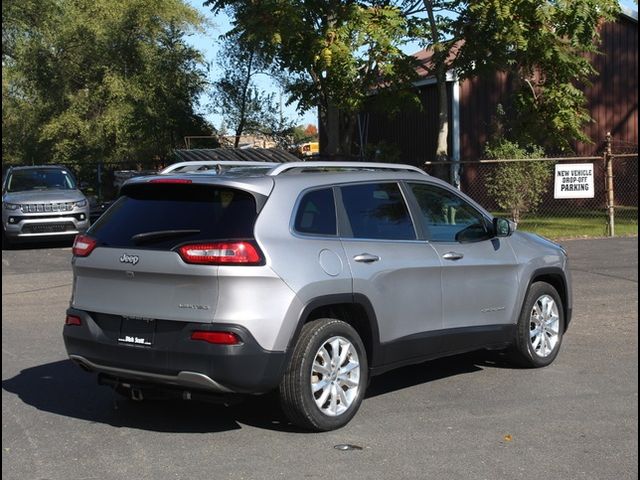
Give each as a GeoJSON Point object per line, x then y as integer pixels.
{"type": "Point", "coordinates": [585, 224]}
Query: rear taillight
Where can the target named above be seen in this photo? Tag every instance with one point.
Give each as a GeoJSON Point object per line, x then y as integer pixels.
{"type": "Point", "coordinates": [218, 338]}
{"type": "Point", "coordinates": [72, 320]}
{"type": "Point", "coordinates": [83, 245]}
{"type": "Point", "coordinates": [221, 253]}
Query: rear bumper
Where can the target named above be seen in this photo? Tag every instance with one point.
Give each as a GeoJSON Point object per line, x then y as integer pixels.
{"type": "Point", "coordinates": [174, 360]}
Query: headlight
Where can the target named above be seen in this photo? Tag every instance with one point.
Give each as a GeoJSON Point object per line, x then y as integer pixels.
{"type": "Point", "coordinates": [10, 206]}
{"type": "Point", "coordinates": [81, 203]}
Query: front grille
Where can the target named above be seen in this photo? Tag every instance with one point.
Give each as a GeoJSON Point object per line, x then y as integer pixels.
{"type": "Point", "coordinates": [48, 228]}
{"type": "Point", "coordinates": [47, 207]}
{"type": "Point", "coordinates": [61, 216]}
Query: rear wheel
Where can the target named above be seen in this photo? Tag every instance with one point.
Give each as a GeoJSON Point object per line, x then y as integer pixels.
{"type": "Point", "coordinates": [327, 375]}
{"type": "Point", "coordinates": [540, 327]}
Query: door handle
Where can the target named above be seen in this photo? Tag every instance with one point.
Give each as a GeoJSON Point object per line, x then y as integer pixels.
{"type": "Point", "coordinates": [366, 258]}
{"type": "Point", "coordinates": [452, 256]}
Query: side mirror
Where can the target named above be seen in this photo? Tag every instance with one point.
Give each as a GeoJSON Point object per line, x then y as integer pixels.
{"type": "Point", "coordinates": [503, 227]}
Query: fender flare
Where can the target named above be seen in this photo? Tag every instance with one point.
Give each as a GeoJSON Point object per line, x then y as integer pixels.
{"type": "Point", "coordinates": [564, 294]}
{"type": "Point", "coordinates": [336, 299]}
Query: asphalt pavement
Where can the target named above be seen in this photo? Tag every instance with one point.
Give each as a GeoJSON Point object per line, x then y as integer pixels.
{"type": "Point", "coordinates": [467, 417]}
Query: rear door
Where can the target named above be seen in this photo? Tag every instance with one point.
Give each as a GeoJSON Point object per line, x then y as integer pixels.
{"type": "Point", "coordinates": [399, 274]}
{"type": "Point", "coordinates": [479, 271]}
{"type": "Point", "coordinates": [136, 270]}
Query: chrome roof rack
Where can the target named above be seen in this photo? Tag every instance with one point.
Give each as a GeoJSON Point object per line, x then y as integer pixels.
{"type": "Point", "coordinates": [329, 166]}
{"type": "Point", "coordinates": [213, 165]}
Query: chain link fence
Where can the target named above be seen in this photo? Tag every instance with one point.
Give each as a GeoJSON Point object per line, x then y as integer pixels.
{"type": "Point", "coordinates": [524, 190]}
{"type": "Point", "coordinates": [102, 180]}
{"type": "Point", "coordinates": [624, 157]}
{"type": "Point", "coordinates": [521, 189]}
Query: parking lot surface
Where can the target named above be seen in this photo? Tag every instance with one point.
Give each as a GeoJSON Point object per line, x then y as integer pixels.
{"type": "Point", "coordinates": [466, 417]}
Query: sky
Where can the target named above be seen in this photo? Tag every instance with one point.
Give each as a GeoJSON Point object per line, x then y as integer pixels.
{"type": "Point", "coordinates": [207, 44]}
{"type": "Point", "coordinates": [219, 24]}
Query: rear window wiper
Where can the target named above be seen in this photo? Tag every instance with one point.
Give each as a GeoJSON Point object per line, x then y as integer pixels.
{"type": "Point", "coordinates": [162, 234]}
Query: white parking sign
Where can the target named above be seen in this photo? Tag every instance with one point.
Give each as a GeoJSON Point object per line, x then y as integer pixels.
{"type": "Point", "coordinates": [573, 180]}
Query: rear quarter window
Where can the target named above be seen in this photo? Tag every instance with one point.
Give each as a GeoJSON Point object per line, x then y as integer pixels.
{"type": "Point", "coordinates": [201, 212]}
{"type": "Point", "coordinates": [316, 214]}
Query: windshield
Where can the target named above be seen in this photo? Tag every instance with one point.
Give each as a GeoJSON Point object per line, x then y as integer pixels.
{"type": "Point", "coordinates": [40, 179]}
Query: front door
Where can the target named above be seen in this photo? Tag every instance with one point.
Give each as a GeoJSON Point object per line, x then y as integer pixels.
{"type": "Point", "coordinates": [479, 271]}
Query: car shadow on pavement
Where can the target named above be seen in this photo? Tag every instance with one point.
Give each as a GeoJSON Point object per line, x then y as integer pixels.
{"type": "Point", "coordinates": [63, 389]}
{"type": "Point", "coordinates": [435, 370]}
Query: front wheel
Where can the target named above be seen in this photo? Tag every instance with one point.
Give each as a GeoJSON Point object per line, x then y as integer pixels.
{"type": "Point", "coordinates": [540, 327]}
{"type": "Point", "coordinates": [326, 378]}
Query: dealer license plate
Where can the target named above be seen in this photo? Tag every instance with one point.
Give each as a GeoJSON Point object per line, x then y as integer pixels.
{"type": "Point", "coordinates": [137, 331]}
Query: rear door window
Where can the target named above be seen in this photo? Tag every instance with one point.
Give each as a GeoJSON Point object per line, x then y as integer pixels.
{"type": "Point", "coordinates": [377, 211]}
{"type": "Point", "coordinates": [157, 216]}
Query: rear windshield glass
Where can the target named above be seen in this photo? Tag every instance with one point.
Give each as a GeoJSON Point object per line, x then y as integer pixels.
{"type": "Point", "coordinates": [165, 216]}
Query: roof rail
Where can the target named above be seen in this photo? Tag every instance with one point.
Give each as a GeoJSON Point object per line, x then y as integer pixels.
{"type": "Point", "coordinates": [285, 167]}
{"type": "Point", "coordinates": [215, 163]}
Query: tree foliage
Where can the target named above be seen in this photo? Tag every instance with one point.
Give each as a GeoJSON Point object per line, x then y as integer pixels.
{"type": "Point", "coordinates": [246, 108]}
{"type": "Point", "coordinates": [332, 53]}
{"type": "Point", "coordinates": [102, 80]}
{"type": "Point", "coordinates": [335, 53]}
{"type": "Point", "coordinates": [517, 187]}
{"type": "Point", "coordinates": [114, 79]}
{"type": "Point", "coordinates": [546, 46]}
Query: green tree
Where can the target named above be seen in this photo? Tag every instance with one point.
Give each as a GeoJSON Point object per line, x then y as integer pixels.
{"type": "Point", "coordinates": [544, 45]}
{"type": "Point", "coordinates": [245, 107]}
{"type": "Point", "coordinates": [517, 187]}
{"type": "Point", "coordinates": [333, 54]}
{"type": "Point", "coordinates": [297, 135]}
{"type": "Point", "coordinates": [102, 80]}
{"type": "Point", "coordinates": [437, 32]}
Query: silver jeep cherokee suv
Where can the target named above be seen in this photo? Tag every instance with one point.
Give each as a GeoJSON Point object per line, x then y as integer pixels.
{"type": "Point", "coordinates": [308, 279]}
{"type": "Point", "coordinates": [42, 202]}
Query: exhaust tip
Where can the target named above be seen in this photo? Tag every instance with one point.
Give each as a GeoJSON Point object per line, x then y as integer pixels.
{"type": "Point", "coordinates": [136, 394]}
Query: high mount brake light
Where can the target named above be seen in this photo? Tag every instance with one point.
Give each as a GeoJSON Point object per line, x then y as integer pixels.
{"type": "Point", "coordinates": [170, 180]}
{"type": "Point", "coordinates": [83, 245]}
{"type": "Point", "coordinates": [221, 253]}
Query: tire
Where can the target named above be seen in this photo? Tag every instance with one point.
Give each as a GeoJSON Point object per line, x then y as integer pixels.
{"type": "Point", "coordinates": [340, 386]}
{"type": "Point", "coordinates": [540, 327]}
